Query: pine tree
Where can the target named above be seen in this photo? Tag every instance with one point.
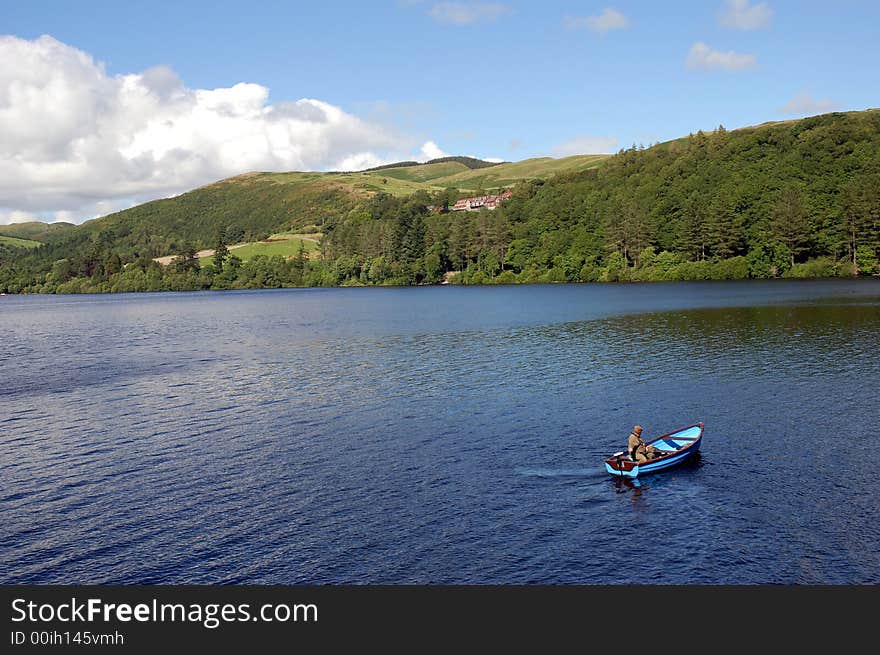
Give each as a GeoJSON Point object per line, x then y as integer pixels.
{"type": "Point", "coordinates": [221, 252]}
{"type": "Point", "coordinates": [790, 224]}
{"type": "Point", "coordinates": [186, 260]}
{"type": "Point", "coordinates": [628, 228]}
{"type": "Point", "coordinates": [724, 227]}
{"type": "Point", "coordinates": [860, 205]}
{"type": "Point", "coordinates": [692, 237]}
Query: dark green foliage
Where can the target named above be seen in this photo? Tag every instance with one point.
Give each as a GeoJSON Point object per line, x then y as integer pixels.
{"type": "Point", "coordinates": [790, 225]}
{"type": "Point", "coordinates": [383, 167]}
{"type": "Point", "coordinates": [758, 202]}
{"type": "Point", "coordinates": [221, 252]}
{"type": "Point", "coordinates": [186, 261]}
{"type": "Point", "coordinates": [860, 206]}
{"type": "Point", "coordinates": [470, 162]}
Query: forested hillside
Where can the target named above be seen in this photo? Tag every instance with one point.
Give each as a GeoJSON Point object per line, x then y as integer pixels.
{"type": "Point", "coordinates": [795, 199]}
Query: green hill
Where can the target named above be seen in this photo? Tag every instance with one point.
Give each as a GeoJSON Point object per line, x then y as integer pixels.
{"type": "Point", "coordinates": [504, 175]}
{"type": "Point", "coordinates": [34, 230]}
{"type": "Point", "coordinates": [794, 198]}
{"type": "Point", "coordinates": [426, 172]}
{"type": "Point", "coordinates": [457, 173]}
{"type": "Point", "coordinates": [466, 162]}
{"type": "Point", "coordinates": [452, 173]}
{"type": "Point", "coordinates": [254, 205]}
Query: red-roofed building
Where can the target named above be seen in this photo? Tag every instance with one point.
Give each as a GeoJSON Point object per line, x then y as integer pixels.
{"type": "Point", "coordinates": [481, 202]}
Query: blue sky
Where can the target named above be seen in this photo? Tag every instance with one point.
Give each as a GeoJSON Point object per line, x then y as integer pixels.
{"type": "Point", "coordinates": [506, 79]}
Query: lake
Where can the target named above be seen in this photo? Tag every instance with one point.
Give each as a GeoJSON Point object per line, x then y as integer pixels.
{"type": "Point", "coordinates": [440, 435]}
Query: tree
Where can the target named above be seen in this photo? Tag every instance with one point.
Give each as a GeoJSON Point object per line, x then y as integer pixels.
{"type": "Point", "coordinates": [408, 236]}
{"type": "Point", "coordinates": [234, 233]}
{"type": "Point", "coordinates": [113, 264]}
{"type": "Point", "coordinates": [693, 233]}
{"type": "Point", "coordinates": [298, 265]}
{"type": "Point", "coordinates": [517, 255]}
{"type": "Point", "coordinates": [860, 205]}
{"type": "Point", "coordinates": [447, 197]}
{"type": "Point", "coordinates": [628, 228]}
{"type": "Point", "coordinates": [186, 260]}
{"type": "Point", "coordinates": [221, 252]}
{"type": "Point", "coordinates": [866, 260]}
{"type": "Point", "coordinates": [724, 227]}
{"type": "Point", "coordinates": [790, 224]}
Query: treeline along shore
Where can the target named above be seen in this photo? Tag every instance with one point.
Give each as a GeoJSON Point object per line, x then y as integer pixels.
{"type": "Point", "coordinates": [791, 199]}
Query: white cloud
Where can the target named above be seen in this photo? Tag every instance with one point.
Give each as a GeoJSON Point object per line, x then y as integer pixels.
{"type": "Point", "coordinates": [16, 216]}
{"type": "Point", "coordinates": [803, 104]}
{"type": "Point", "coordinates": [585, 145]}
{"type": "Point", "coordinates": [740, 15]}
{"type": "Point", "coordinates": [467, 13]}
{"type": "Point", "coordinates": [76, 142]}
{"type": "Point", "coordinates": [609, 19]}
{"type": "Point", "coordinates": [494, 160]}
{"type": "Point", "coordinates": [431, 150]}
{"type": "Point", "coordinates": [358, 161]}
{"type": "Point", "coordinates": [702, 57]}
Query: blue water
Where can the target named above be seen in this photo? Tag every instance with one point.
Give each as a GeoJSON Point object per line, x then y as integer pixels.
{"type": "Point", "coordinates": [440, 435]}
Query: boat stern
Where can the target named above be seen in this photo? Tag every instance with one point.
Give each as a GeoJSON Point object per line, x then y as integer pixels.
{"type": "Point", "coordinates": [621, 466]}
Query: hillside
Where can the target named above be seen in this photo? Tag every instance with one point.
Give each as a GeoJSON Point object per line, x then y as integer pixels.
{"type": "Point", "coordinates": [783, 199]}
{"type": "Point", "coordinates": [404, 179]}
{"type": "Point", "coordinates": [795, 198]}
{"type": "Point", "coordinates": [252, 206]}
{"type": "Point", "coordinates": [34, 230]}
{"type": "Point", "coordinates": [13, 242]}
{"type": "Point", "coordinates": [468, 162]}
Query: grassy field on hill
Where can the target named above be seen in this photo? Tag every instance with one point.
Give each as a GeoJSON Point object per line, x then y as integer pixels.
{"type": "Point", "coordinates": [18, 243]}
{"type": "Point", "coordinates": [436, 177]}
{"type": "Point", "coordinates": [509, 174]}
{"type": "Point", "coordinates": [285, 245]}
{"type": "Point", "coordinates": [424, 172]}
{"type": "Point", "coordinates": [34, 230]}
{"type": "Point", "coordinates": [406, 180]}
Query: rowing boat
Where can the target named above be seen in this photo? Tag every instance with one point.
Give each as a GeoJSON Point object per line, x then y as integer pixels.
{"type": "Point", "coordinates": [676, 446]}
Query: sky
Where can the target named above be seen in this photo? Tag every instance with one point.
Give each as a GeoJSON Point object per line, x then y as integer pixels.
{"type": "Point", "coordinates": [104, 105]}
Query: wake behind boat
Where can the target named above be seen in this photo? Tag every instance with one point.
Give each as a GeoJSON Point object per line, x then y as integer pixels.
{"type": "Point", "coordinates": [676, 447]}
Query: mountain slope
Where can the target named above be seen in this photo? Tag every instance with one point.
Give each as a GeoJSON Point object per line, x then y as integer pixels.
{"type": "Point", "coordinates": [254, 205]}
{"type": "Point", "coordinates": [405, 179]}
{"type": "Point", "coordinates": [796, 198]}
{"type": "Point", "coordinates": [34, 230]}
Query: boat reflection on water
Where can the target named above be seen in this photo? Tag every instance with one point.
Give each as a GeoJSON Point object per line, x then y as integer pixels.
{"type": "Point", "coordinates": [638, 486]}
{"type": "Point", "coordinates": [625, 485]}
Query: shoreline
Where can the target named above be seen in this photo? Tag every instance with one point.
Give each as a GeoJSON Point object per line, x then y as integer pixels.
{"type": "Point", "coordinates": [618, 283]}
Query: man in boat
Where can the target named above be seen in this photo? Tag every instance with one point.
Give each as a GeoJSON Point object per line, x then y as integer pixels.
{"type": "Point", "coordinates": [638, 450]}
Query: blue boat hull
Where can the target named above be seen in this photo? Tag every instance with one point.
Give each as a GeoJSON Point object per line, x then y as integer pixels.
{"type": "Point", "coordinates": [681, 446]}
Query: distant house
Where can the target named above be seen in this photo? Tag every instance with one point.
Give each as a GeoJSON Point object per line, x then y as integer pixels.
{"type": "Point", "coordinates": [481, 202]}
